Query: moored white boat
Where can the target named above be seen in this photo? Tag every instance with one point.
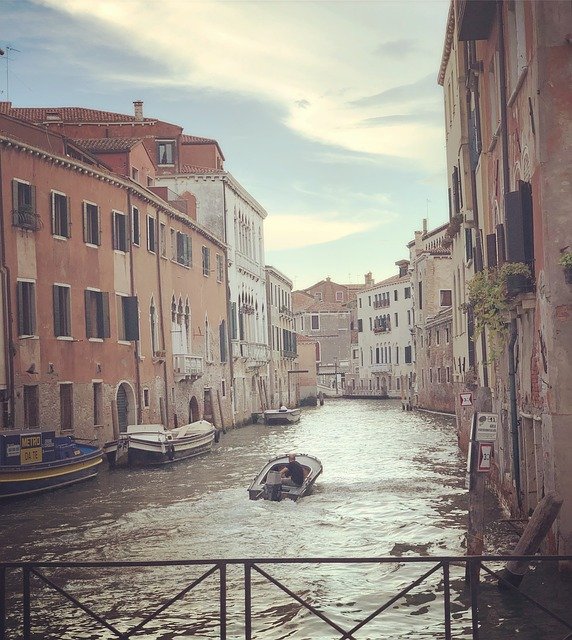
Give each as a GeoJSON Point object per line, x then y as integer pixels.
{"type": "Point", "coordinates": [152, 444]}
{"type": "Point", "coordinates": [282, 416]}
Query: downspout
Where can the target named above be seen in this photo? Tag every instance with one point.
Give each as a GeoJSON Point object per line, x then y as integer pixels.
{"type": "Point", "coordinates": [162, 316]}
{"type": "Point", "coordinates": [132, 286]}
{"type": "Point", "coordinates": [513, 408]}
{"type": "Point", "coordinates": [6, 308]}
{"type": "Point", "coordinates": [228, 305]}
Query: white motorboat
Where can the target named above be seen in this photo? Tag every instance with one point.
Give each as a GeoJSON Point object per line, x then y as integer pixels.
{"type": "Point", "coordinates": [282, 416]}
{"type": "Point", "coordinates": [152, 444]}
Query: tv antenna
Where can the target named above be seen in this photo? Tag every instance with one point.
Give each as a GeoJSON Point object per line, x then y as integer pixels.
{"type": "Point", "coordinates": [6, 52]}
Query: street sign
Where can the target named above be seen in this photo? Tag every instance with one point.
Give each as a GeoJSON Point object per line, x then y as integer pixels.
{"type": "Point", "coordinates": [466, 399]}
{"type": "Point", "coordinates": [485, 456]}
{"type": "Point", "coordinates": [486, 427]}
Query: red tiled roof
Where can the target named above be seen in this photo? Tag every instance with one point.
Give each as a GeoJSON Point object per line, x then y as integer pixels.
{"type": "Point", "coordinates": [67, 114]}
{"type": "Point", "coordinates": [107, 145]}
{"type": "Point", "coordinates": [186, 139]}
{"type": "Point", "coordinates": [191, 168]}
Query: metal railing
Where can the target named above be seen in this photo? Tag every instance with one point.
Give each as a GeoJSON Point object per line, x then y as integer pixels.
{"type": "Point", "coordinates": [34, 573]}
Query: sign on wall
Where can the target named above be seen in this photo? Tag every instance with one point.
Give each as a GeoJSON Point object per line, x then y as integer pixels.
{"type": "Point", "coordinates": [485, 456]}
{"type": "Point", "coordinates": [486, 427]}
{"type": "Point", "coordinates": [466, 399]}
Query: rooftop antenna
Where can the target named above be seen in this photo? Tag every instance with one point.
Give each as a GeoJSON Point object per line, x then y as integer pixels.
{"type": "Point", "coordinates": [7, 53]}
{"type": "Point", "coordinates": [427, 202]}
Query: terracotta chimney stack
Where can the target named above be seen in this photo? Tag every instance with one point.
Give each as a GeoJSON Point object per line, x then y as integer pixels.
{"type": "Point", "coordinates": [138, 108]}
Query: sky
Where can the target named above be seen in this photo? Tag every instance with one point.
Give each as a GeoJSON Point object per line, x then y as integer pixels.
{"type": "Point", "coordinates": [327, 112]}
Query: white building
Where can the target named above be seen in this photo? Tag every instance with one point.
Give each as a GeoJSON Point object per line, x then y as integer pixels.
{"type": "Point", "coordinates": [385, 345]}
{"type": "Point", "coordinates": [235, 217]}
{"type": "Point", "coordinates": [281, 340]}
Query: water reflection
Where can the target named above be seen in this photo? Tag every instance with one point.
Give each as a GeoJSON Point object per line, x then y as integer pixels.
{"type": "Point", "coordinates": [392, 486]}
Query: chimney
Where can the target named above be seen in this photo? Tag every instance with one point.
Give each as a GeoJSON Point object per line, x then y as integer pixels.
{"type": "Point", "coordinates": [138, 108]}
{"type": "Point", "coordinates": [424, 226]}
{"type": "Point", "coordinates": [368, 279]}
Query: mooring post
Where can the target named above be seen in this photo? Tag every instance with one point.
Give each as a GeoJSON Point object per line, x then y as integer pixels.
{"type": "Point", "coordinates": [534, 533]}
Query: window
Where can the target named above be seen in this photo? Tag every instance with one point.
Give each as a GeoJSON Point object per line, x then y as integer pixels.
{"type": "Point", "coordinates": [219, 267]}
{"type": "Point", "coordinates": [60, 215]}
{"type": "Point", "coordinates": [439, 375]}
{"type": "Point", "coordinates": [318, 296]}
{"type": "Point", "coordinates": [222, 341]}
{"type": "Point", "coordinates": [408, 355]}
{"type": "Point", "coordinates": [409, 317]}
{"type": "Point", "coordinates": [66, 407]}
{"type": "Point", "coordinates": [339, 296]}
{"type": "Point", "coordinates": [395, 294]}
{"type": "Point", "coordinates": [318, 352]}
{"type": "Point", "coordinates": [119, 222]}
{"type": "Point", "coordinates": [96, 314]}
{"type": "Point", "coordinates": [26, 294]}
{"type": "Point", "coordinates": [360, 325]}
{"type": "Point", "coordinates": [223, 388]}
{"type": "Point", "coordinates": [430, 375]}
{"type": "Point", "coordinates": [135, 174]}
{"type": "Point", "coordinates": [127, 318]}
{"type": "Point", "coordinates": [154, 327]}
{"type": "Point", "coordinates": [447, 337]}
{"type": "Point", "coordinates": [163, 239]}
{"type": "Point", "coordinates": [396, 319]}
{"type": "Point", "coordinates": [91, 224]}
{"type": "Point", "coordinates": [420, 295]}
{"type": "Point", "coordinates": [31, 406]}
{"type": "Point", "coordinates": [182, 249]}
{"type": "Point", "coordinates": [135, 226]}
{"type": "Point", "coordinates": [396, 355]}
{"type": "Point", "coordinates": [62, 310]}
{"type": "Point", "coordinates": [149, 181]}
{"type": "Point", "coordinates": [151, 240]}
{"type": "Point", "coordinates": [97, 403]}
{"type": "Point", "coordinates": [407, 292]}
{"type": "Point", "coordinates": [360, 303]}
{"type": "Point", "coordinates": [165, 152]}
{"type": "Point", "coordinates": [438, 337]}
{"type": "Point", "coordinates": [24, 206]}
{"type": "Point", "coordinates": [146, 398]}
{"type": "Point", "coordinates": [315, 322]}
{"type": "Point", "coordinates": [445, 297]}
{"type": "Point", "coordinates": [369, 301]}
{"type": "Point", "coordinates": [448, 374]}
{"type": "Point", "coordinates": [206, 261]}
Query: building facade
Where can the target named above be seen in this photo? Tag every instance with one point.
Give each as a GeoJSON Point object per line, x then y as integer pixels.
{"type": "Point", "coordinates": [514, 75]}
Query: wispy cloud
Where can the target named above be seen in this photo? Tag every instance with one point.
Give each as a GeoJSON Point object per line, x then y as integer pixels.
{"type": "Point", "coordinates": [293, 55]}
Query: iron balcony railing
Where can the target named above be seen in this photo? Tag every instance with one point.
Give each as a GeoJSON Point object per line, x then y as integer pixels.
{"type": "Point", "coordinates": [33, 575]}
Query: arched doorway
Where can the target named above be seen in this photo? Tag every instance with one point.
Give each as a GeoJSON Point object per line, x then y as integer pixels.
{"type": "Point", "coordinates": [194, 411]}
{"type": "Point", "coordinates": [125, 400]}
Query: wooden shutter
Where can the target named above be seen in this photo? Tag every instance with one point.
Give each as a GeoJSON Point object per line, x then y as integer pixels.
{"type": "Point", "coordinates": [53, 211]}
{"type": "Point", "coordinates": [491, 250]}
{"type": "Point", "coordinates": [131, 317]}
{"type": "Point", "coordinates": [233, 321]}
{"type": "Point", "coordinates": [88, 319]}
{"type": "Point", "coordinates": [105, 324]}
{"type": "Point", "coordinates": [98, 226]}
{"type": "Point", "coordinates": [514, 227]}
{"type": "Point", "coordinates": [501, 245]}
{"type": "Point", "coordinates": [86, 237]}
{"type": "Point", "coordinates": [525, 189]}
{"type": "Point", "coordinates": [113, 231]}
{"type": "Point", "coordinates": [57, 311]}
{"type": "Point", "coordinates": [455, 185]}
{"type": "Point", "coordinates": [68, 217]}
{"type": "Point", "coordinates": [478, 251]}
{"type": "Point", "coordinates": [15, 203]}
{"type": "Point", "coordinates": [20, 307]}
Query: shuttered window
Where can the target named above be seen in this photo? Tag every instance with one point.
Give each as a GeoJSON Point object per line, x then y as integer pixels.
{"type": "Point", "coordinates": [62, 310]}
{"type": "Point", "coordinates": [97, 314]}
{"type": "Point", "coordinates": [61, 224]}
{"type": "Point", "coordinates": [26, 298]}
{"type": "Point", "coordinates": [222, 341]}
{"type": "Point", "coordinates": [91, 224]}
{"type": "Point", "coordinates": [127, 318]}
{"type": "Point", "coordinates": [24, 206]}
{"type": "Point", "coordinates": [519, 226]}
{"type": "Point", "coordinates": [119, 227]}
{"type": "Point", "coordinates": [491, 250]}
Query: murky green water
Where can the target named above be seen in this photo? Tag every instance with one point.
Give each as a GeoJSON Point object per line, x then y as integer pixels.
{"type": "Point", "coordinates": [392, 486]}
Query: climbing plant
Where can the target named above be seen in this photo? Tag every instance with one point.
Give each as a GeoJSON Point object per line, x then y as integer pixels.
{"type": "Point", "coordinates": [490, 301]}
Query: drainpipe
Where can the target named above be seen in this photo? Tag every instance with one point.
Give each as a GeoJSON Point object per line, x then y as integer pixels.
{"type": "Point", "coordinates": [6, 309]}
{"type": "Point", "coordinates": [513, 408]}
{"type": "Point", "coordinates": [162, 316]}
{"type": "Point", "coordinates": [132, 286]}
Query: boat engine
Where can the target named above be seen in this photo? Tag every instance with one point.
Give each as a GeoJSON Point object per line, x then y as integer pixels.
{"type": "Point", "coordinates": [273, 486]}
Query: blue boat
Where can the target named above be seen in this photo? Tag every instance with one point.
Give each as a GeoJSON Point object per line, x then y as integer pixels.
{"type": "Point", "coordinates": [36, 460]}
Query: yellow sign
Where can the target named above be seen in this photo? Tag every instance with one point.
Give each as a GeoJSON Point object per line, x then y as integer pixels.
{"type": "Point", "coordinates": [29, 456]}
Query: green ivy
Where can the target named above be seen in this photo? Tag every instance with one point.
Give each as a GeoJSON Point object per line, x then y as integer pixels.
{"type": "Point", "coordinates": [566, 259]}
{"type": "Point", "coordinates": [489, 301]}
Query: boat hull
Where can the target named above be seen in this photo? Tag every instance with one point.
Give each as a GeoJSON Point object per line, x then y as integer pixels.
{"type": "Point", "coordinates": [275, 416]}
{"type": "Point", "coordinates": [159, 448]}
{"type": "Point", "coordinates": [78, 462]}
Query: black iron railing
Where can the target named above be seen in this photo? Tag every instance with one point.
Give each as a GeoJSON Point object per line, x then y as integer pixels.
{"type": "Point", "coordinates": [33, 574]}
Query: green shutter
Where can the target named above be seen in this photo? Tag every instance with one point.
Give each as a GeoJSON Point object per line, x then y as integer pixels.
{"type": "Point", "coordinates": [105, 324]}
{"type": "Point", "coordinates": [88, 322]}
{"type": "Point", "coordinates": [57, 311]}
{"type": "Point", "coordinates": [131, 318]}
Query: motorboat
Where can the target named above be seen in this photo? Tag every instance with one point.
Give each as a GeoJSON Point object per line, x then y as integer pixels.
{"type": "Point", "coordinates": [33, 461]}
{"type": "Point", "coordinates": [282, 416]}
{"type": "Point", "coordinates": [268, 485]}
{"type": "Point", "coordinates": [152, 444]}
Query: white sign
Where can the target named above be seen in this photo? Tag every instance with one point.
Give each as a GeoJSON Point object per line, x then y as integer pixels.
{"type": "Point", "coordinates": [486, 427]}
{"type": "Point", "coordinates": [466, 399]}
{"type": "Point", "coordinates": [485, 456]}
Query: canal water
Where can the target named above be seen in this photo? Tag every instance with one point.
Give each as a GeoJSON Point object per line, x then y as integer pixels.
{"type": "Point", "coordinates": [393, 485]}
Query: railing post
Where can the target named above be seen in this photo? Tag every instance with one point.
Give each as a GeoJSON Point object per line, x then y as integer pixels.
{"type": "Point", "coordinates": [247, 601]}
{"type": "Point", "coordinates": [2, 603]}
{"type": "Point", "coordinates": [26, 601]}
{"type": "Point", "coordinates": [222, 567]}
{"type": "Point", "coordinates": [447, 596]}
{"type": "Point", "coordinates": [474, 570]}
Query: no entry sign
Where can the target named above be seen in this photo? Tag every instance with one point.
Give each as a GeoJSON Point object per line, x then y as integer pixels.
{"type": "Point", "coordinates": [485, 456]}
{"type": "Point", "coordinates": [466, 399]}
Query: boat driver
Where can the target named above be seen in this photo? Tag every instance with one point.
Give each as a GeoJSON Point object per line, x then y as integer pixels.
{"type": "Point", "coordinates": [293, 473]}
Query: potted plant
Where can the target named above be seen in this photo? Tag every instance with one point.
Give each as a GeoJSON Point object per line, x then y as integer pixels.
{"type": "Point", "coordinates": [489, 297]}
{"type": "Point", "coordinates": [566, 262]}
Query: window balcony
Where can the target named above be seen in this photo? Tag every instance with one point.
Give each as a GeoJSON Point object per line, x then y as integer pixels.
{"type": "Point", "coordinates": [285, 353]}
{"type": "Point", "coordinates": [186, 366]}
{"type": "Point", "coordinates": [285, 311]}
{"type": "Point", "coordinates": [255, 354]}
{"type": "Point", "coordinates": [381, 304]}
{"type": "Point", "coordinates": [381, 367]}
{"type": "Point", "coordinates": [382, 329]}
{"type": "Point", "coordinates": [25, 217]}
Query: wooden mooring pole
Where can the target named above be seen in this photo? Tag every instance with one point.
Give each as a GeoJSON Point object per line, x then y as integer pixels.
{"type": "Point", "coordinates": [534, 533]}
